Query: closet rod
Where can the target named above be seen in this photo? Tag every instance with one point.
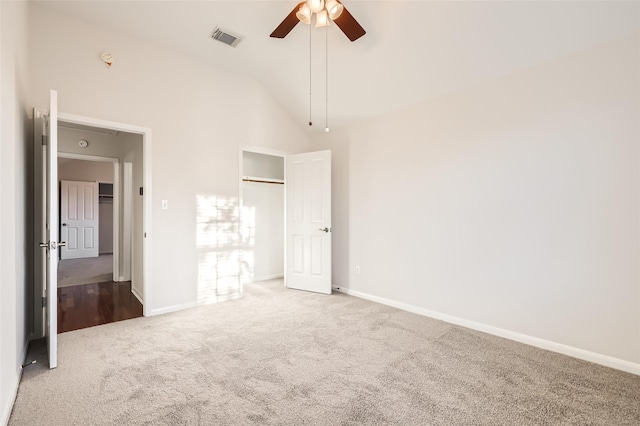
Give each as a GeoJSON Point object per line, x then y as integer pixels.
{"type": "Point", "coordinates": [262, 181]}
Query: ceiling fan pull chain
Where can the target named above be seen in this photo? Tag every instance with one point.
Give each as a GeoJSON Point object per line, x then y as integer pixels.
{"type": "Point", "coordinates": [326, 78]}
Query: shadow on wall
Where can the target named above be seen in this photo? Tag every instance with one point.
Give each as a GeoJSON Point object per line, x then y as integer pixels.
{"type": "Point", "coordinates": [221, 264]}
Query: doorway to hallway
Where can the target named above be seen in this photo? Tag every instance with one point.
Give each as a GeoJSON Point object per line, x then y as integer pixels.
{"type": "Point", "coordinates": [88, 305]}
{"type": "Point", "coordinates": [86, 270]}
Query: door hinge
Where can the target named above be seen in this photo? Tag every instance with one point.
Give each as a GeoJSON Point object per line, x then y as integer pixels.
{"type": "Point", "coordinates": [44, 139]}
{"type": "Point", "coordinates": [44, 301]}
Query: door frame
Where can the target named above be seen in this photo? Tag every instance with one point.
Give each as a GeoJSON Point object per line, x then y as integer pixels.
{"type": "Point", "coordinates": [127, 221]}
{"type": "Point", "coordinates": [275, 153]}
{"type": "Point", "coordinates": [145, 132]}
{"type": "Point", "coordinates": [117, 275]}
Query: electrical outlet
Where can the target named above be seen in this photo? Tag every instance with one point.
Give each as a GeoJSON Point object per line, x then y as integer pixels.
{"type": "Point", "coordinates": [357, 270]}
{"type": "Point", "coordinates": [165, 204]}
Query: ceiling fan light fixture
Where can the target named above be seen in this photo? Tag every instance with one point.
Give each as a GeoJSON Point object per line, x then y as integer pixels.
{"type": "Point", "coordinates": [335, 8]}
{"type": "Point", "coordinates": [325, 11]}
{"type": "Point", "coordinates": [322, 19]}
{"type": "Point", "coordinates": [304, 14]}
{"type": "Point", "coordinates": [315, 5]}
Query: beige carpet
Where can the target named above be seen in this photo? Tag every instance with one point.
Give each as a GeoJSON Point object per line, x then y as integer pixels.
{"type": "Point", "coordinates": [85, 271]}
{"type": "Point", "coordinates": [285, 357]}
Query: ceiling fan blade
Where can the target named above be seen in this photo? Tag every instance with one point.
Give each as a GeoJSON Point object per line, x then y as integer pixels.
{"type": "Point", "coordinates": [287, 24]}
{"type": "Point", "coordinates": [349, 26]}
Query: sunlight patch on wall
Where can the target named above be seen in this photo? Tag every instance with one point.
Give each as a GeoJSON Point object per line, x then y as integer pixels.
{"type": "Point", "coordinates": [248, 242]}
{"type": "Point", "coordinates": [219, 249]}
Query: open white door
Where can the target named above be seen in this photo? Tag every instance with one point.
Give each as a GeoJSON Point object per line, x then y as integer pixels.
{"type": "Point", "coordinates": [79, 219]}
{"type": "Point", "coordinates": [50, 217]}
{"type": "Point", "coordinates": [308, 181]}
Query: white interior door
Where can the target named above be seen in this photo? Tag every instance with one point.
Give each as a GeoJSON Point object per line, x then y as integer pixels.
{"type": "Point", "coordinates": [50, 217]}
{"type": "Point", "coordinates": [308, 182]}
{"type": "Point", "coordinates": [79, 219]}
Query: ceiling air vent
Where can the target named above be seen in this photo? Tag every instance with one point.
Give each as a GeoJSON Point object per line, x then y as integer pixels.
{"type": "Point", "coordinates": [226, 37]}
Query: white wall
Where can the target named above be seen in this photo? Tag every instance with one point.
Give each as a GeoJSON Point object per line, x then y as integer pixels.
{"type": "Point", "coordinates": [99, 144]}
{"type": "Point", "coordinates": [86, 171]}
{"type": "Point", "coordinates": [199, 116]}
{"type": "Point", "coordinates": [513, 205]}
{"type": "Point", "coordinates": [105, 230]}
{"type": "Point", "coordinates": [15, 216]}
{"type": "Point", "coordinates": [262, 165]}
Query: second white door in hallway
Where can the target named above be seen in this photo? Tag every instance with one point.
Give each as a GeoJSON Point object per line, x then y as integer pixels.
{"type": "Point", "coordinates": [79, 219]}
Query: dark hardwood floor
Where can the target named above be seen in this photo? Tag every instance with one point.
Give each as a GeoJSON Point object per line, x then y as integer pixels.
{"type": "Point", "coordinates": [87, 305]}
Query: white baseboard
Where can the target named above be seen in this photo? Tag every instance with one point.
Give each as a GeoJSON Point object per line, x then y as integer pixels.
{"type": "Point", "coordinates": [25, 349]}
{"type": "Point", "coordinates": [607, 361]}
{"type": "Point", "coordinates": [172, 308]}
{"type": "Point", "coordinates": [268, 277]}
{"type": "Point", "coordinates": [11, 400]}
{"type": "Point", "coordinates": [137, 295]}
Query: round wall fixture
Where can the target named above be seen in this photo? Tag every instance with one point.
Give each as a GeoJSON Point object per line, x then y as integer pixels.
{"type": "Point", "coordinates": [83, 144]}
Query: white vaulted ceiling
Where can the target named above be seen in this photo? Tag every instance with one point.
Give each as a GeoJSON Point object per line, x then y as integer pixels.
{"type": "Point", "coordinates": [413, 50]}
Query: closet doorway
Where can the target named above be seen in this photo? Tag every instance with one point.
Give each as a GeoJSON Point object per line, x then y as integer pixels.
{"type": "Point", "coordinates": [262, 205]}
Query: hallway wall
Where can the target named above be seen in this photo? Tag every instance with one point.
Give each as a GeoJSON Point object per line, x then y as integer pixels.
{"type": "Point", "coordinates": [16, 274]}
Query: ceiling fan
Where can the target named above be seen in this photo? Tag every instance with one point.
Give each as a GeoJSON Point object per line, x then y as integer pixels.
{"type": "Point", "coordinates": [325, 11]}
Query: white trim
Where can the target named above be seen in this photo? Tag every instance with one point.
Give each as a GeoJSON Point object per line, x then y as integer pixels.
{"type": "Point", "coordinates": [6, 411]}
{"type": "Point", "coordinates": [137, 295]}
{"type": "Point", "coordinates": [607, 361]}
{"type": "Point", "coordinates": [105, 124]}
{"type": "Point", "coordinates": [268, 277]}
{"type": "Point", "coordinates": [146, 166]}
{"type": "Point", "coordinates": [116, 201]}
{"type": "Point", "coordinates": [25, 349]}
{"type": "Point", "coordinates": [146, 225]}
{"type": "Point", "coordinates": [262, 150]}
{"type": "Point", "coordinates": [127, 209]}
{"type": "Point", "coordinates": [172, 308]}
{"type": "Point", "coordinates": [11, 400]}
{"type": "Point", "coordinates": [39, 203]}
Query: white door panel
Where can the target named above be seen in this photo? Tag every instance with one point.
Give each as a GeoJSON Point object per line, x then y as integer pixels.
{"type": "Point", "coordinates": [79, 219]}
{"type": "Point", "coordinates": [308, 183]}
{"type": "Point", "coordinates": [49, 214]}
